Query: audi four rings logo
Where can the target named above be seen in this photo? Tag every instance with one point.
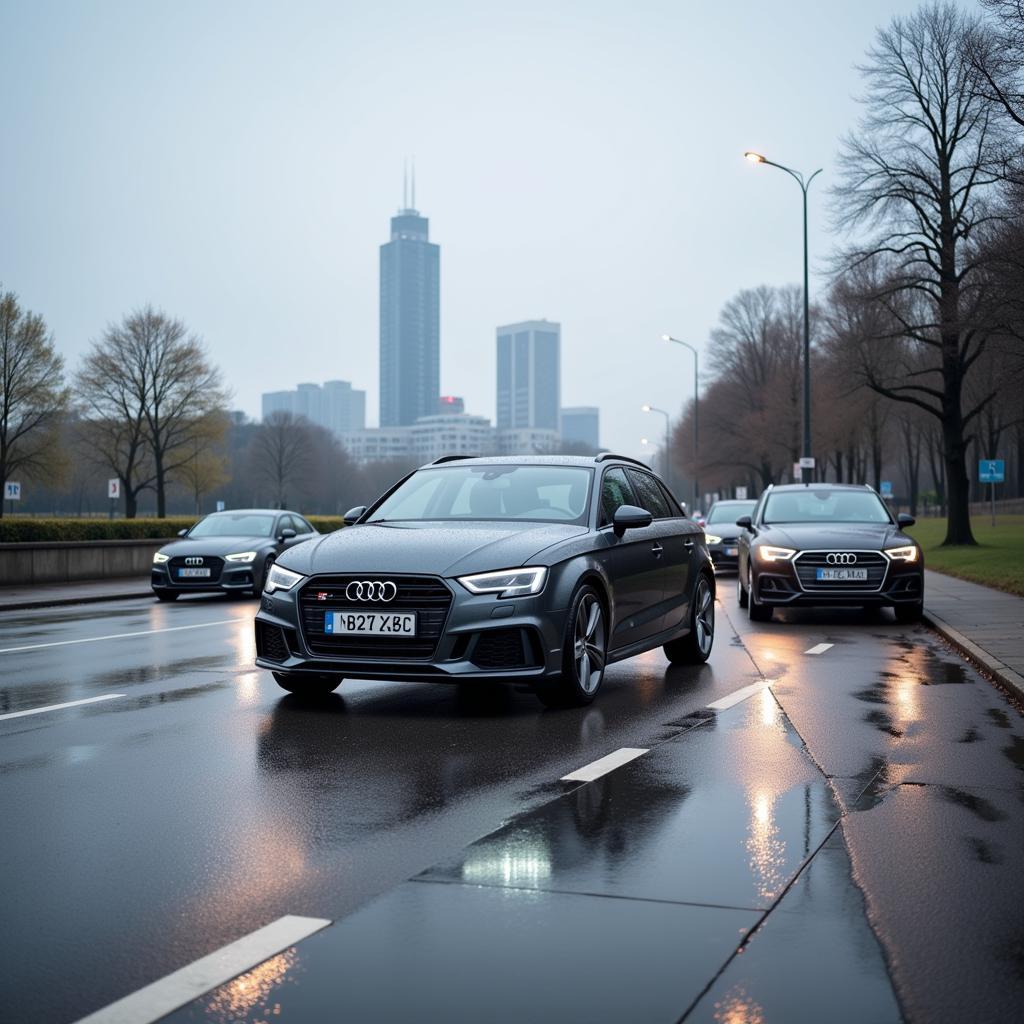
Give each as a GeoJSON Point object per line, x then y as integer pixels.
{"type": "Point", "coordinates": [371, 590]}
{"type": "Point", "coordinates": [840, 558]}
{"type": "Point", "coordinates": [193, 561]}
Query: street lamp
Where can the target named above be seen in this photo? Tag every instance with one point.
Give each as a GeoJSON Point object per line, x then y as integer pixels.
{"type": "Point", "coordinates": [696, 412]}
{"type": "Point", "coordinates": [805, 184]}
{"type": "Point", "coordinates": [668, 459]}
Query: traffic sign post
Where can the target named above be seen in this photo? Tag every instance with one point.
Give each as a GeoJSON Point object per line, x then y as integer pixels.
{"type": "Point", "coordinates": [992, 472]}
{"type": "Point", "coordinates": [12, 492]}
{"type": "Point", "coordinates": [113, 493]}
{"type": "Point", "coordinates": [886, 489]}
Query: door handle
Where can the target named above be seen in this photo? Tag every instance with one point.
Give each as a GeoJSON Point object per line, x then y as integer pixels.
{"type": "Point", "coordinates": [657, 549]}
{"type": "Point", "coordinates": [688, 543]}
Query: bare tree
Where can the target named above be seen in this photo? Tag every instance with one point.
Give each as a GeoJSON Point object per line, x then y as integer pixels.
{"type": "Point", "coordinates": [996, 52]}
{"type": "Point", "coordinates": [916, 176]}
{"type": "Point", "coordinates": [281, 454]}
{"type": "Point", "coordinates": [32, 394]}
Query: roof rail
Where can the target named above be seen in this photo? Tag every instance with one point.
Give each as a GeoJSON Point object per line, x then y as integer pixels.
{"type": "Point", "coordinates": [608, 456]}
{"type": "Point", "coordinates": [452, 458]}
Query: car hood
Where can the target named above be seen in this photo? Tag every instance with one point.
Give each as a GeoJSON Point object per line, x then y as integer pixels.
{"type": "Point", "coordinates": [213, 546]}
{"type": "Point", "coordinates": [437, 549]}
{"type": "Point", "coordinates": [858, 536]}
{"type": "Point", "coordinates": [727, 531]}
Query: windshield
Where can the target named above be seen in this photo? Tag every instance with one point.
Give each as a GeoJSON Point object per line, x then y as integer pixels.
{"type": "Point", "coordinates": [825, 507]}
{"type": "Point", "coordinates": [729, 511]}
{"type": "Point", "coordinates": [230, 524]}
{"type": "Point", "coordinates": [558, 493]}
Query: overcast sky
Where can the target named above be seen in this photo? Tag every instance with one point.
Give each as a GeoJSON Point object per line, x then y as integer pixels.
{"type": "Point", "coordinates": [237, 163]}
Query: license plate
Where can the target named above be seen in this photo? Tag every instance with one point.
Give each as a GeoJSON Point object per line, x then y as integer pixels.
{"type": "Point", "coordinates": [842, 575]}
{"type": "Point", "coordinates": [193, 574]}
{"type": "Point", "coordinates": [731, 552]}
{"type": "Point", "coordinates": [370, 623]}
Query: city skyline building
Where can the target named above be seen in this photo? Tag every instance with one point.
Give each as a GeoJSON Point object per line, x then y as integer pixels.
{"type": "Point", "coordinates": [410, 321]}
{"type": "Point", "coordinates": [335, 405]}
{"type": "Point", "coordinates": [581, 424]}
{"type": "Point", "coordinates": [529, 375]}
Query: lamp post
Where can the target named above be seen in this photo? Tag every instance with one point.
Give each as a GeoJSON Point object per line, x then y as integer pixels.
{"type": "Point", "coordinates": [668, 459]}
{"type": "Point", "coordinates": [696, 412]}
{"type": "Point", "coordinates": [805, 184]}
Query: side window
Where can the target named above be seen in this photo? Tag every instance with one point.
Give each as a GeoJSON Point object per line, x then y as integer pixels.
{"type": "Point", "coordinates": [649, 493]}
{"type": "Point", "coordinates": [302, 525]}
{"type": "Point", "coordinates": [673, 506]}
{"type": "Point", "coordinates": [615, 491]}
{"type": "Point", "coordinates": [287, 523]}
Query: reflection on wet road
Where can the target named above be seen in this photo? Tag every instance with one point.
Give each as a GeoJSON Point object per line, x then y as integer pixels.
{"type": "Point", "coordinates": [775, 858]}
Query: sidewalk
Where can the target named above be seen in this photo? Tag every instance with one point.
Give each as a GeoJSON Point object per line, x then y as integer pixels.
{"type": "Point", "coordinates": [50, 595]}
{"type": "Point", "coordinates": [985, 624]}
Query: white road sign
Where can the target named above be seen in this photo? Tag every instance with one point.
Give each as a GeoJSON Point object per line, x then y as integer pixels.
{"type": "Point", "coordinates": [807, 462]}
{"type": "Point", "coordinates": [741, 494]}
{"type": "Point", "coordinates": [114, 488]}
{"type": "Point", "coordinates": [12, 490]}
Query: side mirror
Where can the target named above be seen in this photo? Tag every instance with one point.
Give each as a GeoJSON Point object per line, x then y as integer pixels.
{"type": "Point", "coordinates": [629, 517]}
{"type": "Point", "coordinates": [745, 522]}
{"type": "Point", "coordinates": [903, 520]}
{"type": "Point", "coordinates": [286, 534]}
{"type": "Point", "coordinates": [353, 515]}
{"type": "Point", "coordinates": [183, 533]}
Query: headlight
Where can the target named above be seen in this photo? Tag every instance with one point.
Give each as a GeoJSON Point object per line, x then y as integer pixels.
{"type": "Point", "coordinates": [241, 556]}
{"type": "Point", "coordinates": [508, 583]}
{"type": "Point", "coordinates": [712, 539]}
{"type": "Point", "coordinates": [907, 554]}
{"type": "Point", "coordinates": [770, 554]}
{"type": "Point", "coordinates": [159, 558]}
{"type": "Point", "coordinates": [280, 578]}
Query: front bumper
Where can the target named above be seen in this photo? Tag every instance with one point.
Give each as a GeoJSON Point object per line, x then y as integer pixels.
{"type": "Point", "coordinates": [725, 556]}
{"type": "Point", "coordinates": [482, 637]}
{"type": "Point", "coordinates": [900, 584]}
{"type": "Point", "coordinates": [232, 578]}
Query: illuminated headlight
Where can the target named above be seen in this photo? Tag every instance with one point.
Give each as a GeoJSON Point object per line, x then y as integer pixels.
{"type": "Point", "coordinates": [712, 539]}
{"type": "Point", "coordinates": [280, 578]}
{"type": "Point", "coordinates": [159, 558]}
{"type": "Point", "coordinates": [906, 554]}
{"type": "Point", "coordinates": [770, 554]}
{"type": "Point", "coordinates": [508, 583]}
{"type": "Point", "coordinates": [241, 556]}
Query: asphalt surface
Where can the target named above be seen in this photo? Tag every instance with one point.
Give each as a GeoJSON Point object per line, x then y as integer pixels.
{"type": "Point", "coordinates": [842, 844]}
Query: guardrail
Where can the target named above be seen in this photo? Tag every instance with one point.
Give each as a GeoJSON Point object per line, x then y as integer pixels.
{"type": "Point", "coordinates": [70, 561]}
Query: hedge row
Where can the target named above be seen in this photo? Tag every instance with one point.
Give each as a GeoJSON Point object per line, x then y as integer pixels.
{"type": "Point", "coordinates": [18, 530]}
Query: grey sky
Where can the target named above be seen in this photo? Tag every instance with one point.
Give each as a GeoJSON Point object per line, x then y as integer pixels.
{"type": "Point", "coordinates": [237, 163]}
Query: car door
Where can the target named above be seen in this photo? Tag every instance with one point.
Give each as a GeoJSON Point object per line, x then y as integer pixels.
{"type": "Point", "coordinates": [678, 536]}
{"type": "Point", "coordinates": [287, 522]}
{"type": "Point", "coordinates": [634, 563]}
{"type": "Point", "coordinates": [743, 545]}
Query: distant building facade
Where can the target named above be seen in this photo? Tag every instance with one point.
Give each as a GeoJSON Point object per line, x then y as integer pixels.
{"type": "Point", "coordinates": [529, 384]}
{"type": "Point", "coordinates": [410, 321]}
{"type": "Point", "coordinates": [335, 405]}
{"type": "Point", "coordinates": [581, 424]}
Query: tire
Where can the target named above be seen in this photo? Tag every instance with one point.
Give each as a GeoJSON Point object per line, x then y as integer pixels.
{"type": "Point", "coordinates": [756, 612]}
{"type": "Point", "coordinates": [741, 591]}
{"type": "Point", "coordinates": [167, 595]}
{"type": "Point", "coordinates": [584, 646]}
{"type": "Point", "coordinates": [268, 564]}
{"type": "Point", "coordinates": [695, 647]}
{"type": "Point", "coordinates": [308, 684]}
{"type": "Point", "coordinates": [909, 613]}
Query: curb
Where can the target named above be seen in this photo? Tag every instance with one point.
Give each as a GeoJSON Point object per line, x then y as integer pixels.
{"type": "Point", "coordinates": [1003, 674]}
{"type": "Point", "coordinates": [56, 602]}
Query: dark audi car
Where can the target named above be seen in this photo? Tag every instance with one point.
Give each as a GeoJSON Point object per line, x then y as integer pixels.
{"type": "Point", "coordinates": [723, 534]}
{"type": "Point", "coordinates": [231, 552]}
{"type": "Point", "coordinates": [536, 570]}
{"type": "Point", "coordinates": [827, 544]}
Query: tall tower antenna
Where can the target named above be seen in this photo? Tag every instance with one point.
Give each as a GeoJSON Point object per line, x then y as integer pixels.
{"type": "Point", "coordinates": [405, 183]}
{"type": "Point", "coordinates": [414, 183]}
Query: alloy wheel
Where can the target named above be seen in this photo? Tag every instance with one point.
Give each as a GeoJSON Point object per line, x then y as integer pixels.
{"type": "Point", "coordinates": [704, 616]}
{"type": "Point", "coordinates": [588, 647]}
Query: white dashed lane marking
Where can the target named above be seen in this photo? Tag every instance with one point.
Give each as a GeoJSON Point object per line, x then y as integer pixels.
{"type": "Point", "coordinates": [818, 649]}
{"type": "Point", "coordinates": [737, 695]}
{"type": "Point", "coordinates": [604, 765]}
{"type": "Point", "coordinates": [116, 636]}
{"type": "Point", "coordinates": [166, 995]}
{"type": "Point", "coordinates": [58, 707]}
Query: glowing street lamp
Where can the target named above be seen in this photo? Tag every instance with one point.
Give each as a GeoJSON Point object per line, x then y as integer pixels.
{"type": "Point", "coordinates": [668, 460]}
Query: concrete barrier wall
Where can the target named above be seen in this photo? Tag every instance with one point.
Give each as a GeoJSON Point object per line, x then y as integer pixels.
{"type": "Point", "coordinates": [64, 562]}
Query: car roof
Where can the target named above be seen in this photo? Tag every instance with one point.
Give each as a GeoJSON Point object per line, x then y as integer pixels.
{"type": "Point", "coordinates": [588, 461]}
{"type": "Point", "coordinates": [253, 512]}
{"type": "Point", "coordinates": [822, 487]}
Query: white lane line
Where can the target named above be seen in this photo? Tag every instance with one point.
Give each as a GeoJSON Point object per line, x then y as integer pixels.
{"type": "Point", "coordinates": [57, 707]}
{"type": "Point", "coordinates": [818, 649]}
{"type": "Point", "coordinates": [116, 636]}
{"type": "Point", "coordinates": [737, 695]}
{"type": "Point", "coordinates": [604, 765]}
{"type": "Point", "coordinates": [168, 994]}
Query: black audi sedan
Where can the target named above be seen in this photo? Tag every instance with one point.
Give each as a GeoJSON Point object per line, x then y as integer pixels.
{"type": "Point", "coordinates": [535, 570]}
{"type": "Point", "coordinates": [230, 552]}
{"type": "Point", "coordinates": [827, 544]}
{"type": "Point", "coordinates": [722, 532]}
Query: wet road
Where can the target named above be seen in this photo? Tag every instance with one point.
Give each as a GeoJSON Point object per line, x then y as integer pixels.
{"type": "Point", "coordinates": [843, 843]}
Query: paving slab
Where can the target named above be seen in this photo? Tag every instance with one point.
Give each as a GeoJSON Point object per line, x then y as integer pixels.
{"type": "Point", "coordinates": [51, 595]}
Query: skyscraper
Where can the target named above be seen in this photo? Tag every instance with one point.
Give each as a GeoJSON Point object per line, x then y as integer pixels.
{"type": "Point", "coordinates": [529, 375]}
{"type": "Point", "coordinates": [410, 313]}
{"type": "Point", "coordinates": [581, 425]}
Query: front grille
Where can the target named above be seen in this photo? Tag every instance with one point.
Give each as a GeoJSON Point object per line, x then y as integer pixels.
{"type": "Point", "coordinates": [211, 562]}
{"type": "Point", "coordinates": [427, 596]}
{"type": "Point", "coordinates": [270, 642]}
{"type": "Point", "coordinates": [500, 648]}
{"type": "Point", "coordinates": [808, 562]}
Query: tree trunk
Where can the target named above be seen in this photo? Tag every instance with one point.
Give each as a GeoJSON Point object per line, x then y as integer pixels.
{"type": "Point", "coordinates": [958, 485]}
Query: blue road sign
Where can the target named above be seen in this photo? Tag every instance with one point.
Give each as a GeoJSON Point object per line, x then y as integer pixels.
{"type": "Point", "coordinates": [992, 471]}
{"type": "Point", "coordinates": [886, 490]}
